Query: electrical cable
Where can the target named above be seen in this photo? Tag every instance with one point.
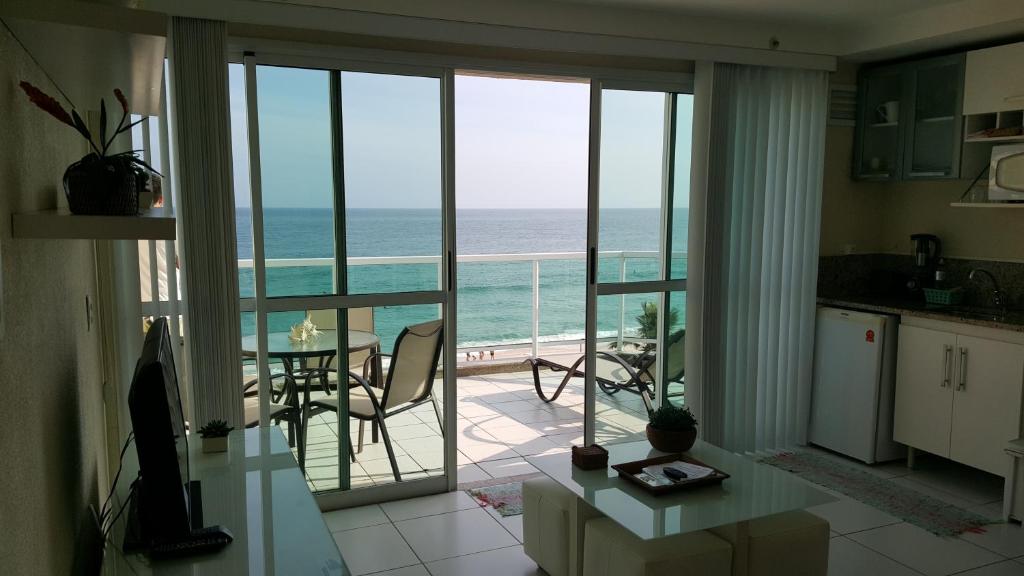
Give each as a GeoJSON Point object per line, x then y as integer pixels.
{"type": "Point", "coordinates": [104, 511]}
{"type": "Point", "coordinates": [124, 506]}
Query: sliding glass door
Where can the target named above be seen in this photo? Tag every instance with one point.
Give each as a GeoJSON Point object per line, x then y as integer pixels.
{"type": "Point", "coordinates": [351, 273]}
{"type": "Point", "coordinates": [637, 241]}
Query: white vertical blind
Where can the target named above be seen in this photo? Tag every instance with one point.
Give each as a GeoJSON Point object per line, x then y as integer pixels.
{"type": "Point", "coordinates": [202, 141]}
{"type": "Point", "coordinates": [764, 194]}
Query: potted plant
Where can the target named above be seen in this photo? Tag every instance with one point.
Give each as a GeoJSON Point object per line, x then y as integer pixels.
{"type": "Point", "coordinates": [215, 436]}
{"type": "Point", "coordinates": [672, 429]}
{"type": "Point", "coordinates": [99, 183]}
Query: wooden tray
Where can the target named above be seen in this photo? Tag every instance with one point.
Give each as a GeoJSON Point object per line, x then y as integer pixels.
{"type": "Point", "coordinates": [629, 470]}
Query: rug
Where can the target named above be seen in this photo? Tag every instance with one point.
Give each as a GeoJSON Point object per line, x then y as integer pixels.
{"type": "Point", "coordinates": [931, 514]}
{"type": "Point", "coordinates": [506, 499]}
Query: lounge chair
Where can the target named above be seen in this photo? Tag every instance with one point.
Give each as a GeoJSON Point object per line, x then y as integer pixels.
{"type": "Point", "coordinates": [409, 383]}
{"type": "Point", "coordinates": [617, 372]}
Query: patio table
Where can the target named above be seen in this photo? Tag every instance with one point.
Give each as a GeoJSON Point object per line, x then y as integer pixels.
{"type": "Point", "coordinates": [323, 349]}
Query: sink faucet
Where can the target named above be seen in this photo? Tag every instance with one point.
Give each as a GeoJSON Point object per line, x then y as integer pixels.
{"type": "Point", "coordinates": [997, 295]}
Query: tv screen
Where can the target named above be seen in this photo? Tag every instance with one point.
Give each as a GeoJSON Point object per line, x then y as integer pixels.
{"type": "Point", "coordinates": [160, 440]}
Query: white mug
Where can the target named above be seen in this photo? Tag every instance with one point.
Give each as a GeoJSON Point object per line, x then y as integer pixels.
{"type": "Point", "coordinates": [889, 111]}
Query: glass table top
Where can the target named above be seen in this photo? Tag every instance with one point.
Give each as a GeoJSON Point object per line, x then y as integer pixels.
{"type": "Point", "coordinates": [279, 344]}
{"type": "Point", "coordinates": [753, 490]}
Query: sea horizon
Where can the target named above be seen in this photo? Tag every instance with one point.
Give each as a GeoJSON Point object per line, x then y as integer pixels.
{"type": "Point", "coordinates": [494, 298]}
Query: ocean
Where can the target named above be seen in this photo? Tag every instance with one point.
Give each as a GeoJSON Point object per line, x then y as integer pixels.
{"type": "Point", "coordinates": [494, 298]}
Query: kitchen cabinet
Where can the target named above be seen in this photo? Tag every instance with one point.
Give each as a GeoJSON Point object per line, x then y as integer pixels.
{"type": "Point", "coordinates": [993, 79]}
{"type": "Point", "coordinates": [924, 396]}
{"type": "Point", "coordinates": [958, 395]}
{"type": "Point", "coordinates": [986, 404]}
{"type": "Point", "coordinates": [909, 120]}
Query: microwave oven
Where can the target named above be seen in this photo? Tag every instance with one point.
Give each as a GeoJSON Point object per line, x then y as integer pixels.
{"type": "Point", "coordinates": [1006, 174]}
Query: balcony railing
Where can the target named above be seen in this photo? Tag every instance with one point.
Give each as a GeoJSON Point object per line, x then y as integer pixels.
{"type": "Point", "coordinates": [535, 259]}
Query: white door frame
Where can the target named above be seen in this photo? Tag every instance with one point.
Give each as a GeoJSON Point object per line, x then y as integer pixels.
{"type": "Point", "coordinates": [664, 285]}
{"type": "Point", "coordinates": [444, 297]}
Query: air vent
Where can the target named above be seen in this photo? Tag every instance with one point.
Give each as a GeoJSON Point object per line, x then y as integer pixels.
{"type": "Point", "coordinates": [842, 105]}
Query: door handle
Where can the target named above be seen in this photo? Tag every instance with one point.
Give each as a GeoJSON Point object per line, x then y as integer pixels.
{"type": "Point", "coordinates": [451, 272]}
{"type": "Point", "coordinates": [963, 370]}
{"type": "Point", "coordinates": [947, 361]}
{"type": "Point", "coordinates": [593, 266]}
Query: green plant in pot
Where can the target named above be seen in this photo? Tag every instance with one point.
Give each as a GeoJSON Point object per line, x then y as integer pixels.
{"type": "Point", "coordinates": [101, 182]}
{"type": "Point", "coordinates": [215, 436]}
{"type": "Point", "coordinates": [672, 429]}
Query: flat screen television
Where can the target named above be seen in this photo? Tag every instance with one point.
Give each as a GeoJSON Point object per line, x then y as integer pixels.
{"type": "Point", "coordinates": [162, 493]}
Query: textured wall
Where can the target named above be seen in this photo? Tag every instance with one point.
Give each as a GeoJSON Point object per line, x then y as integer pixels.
{"type": "Point", "coordinates": [51, 409]}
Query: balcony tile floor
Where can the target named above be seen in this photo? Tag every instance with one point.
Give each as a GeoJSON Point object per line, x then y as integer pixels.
{"type": "Point", "coordinates": [499, 420]}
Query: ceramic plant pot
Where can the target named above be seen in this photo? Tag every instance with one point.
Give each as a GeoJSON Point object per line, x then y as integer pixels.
{"type": "Point", "coordinates": [215, 444]}
{"type": "Point", "coordinates": [671, 440]}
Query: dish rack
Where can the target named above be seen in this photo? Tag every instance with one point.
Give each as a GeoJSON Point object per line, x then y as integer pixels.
{"type": "Point", "coordinates": [944, 296]}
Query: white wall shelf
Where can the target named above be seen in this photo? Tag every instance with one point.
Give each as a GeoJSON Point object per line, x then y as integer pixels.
{"type": "Point", "coordinates": [155, 224]}
{"type": "Point", "coordinates": [987, 204]}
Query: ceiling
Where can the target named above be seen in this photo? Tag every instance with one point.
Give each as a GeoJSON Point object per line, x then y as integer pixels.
{"type": "Point", "coordinates": [833, 12]}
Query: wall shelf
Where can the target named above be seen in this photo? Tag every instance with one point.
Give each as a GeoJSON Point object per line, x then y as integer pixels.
{"type": "Point", "coordinates": [155, 224]}
{"type": "Point", "coordinates": [1003, 205]}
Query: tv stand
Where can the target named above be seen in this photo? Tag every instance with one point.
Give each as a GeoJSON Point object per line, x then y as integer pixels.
{"type": "Point", "coordinates": [253, 496]}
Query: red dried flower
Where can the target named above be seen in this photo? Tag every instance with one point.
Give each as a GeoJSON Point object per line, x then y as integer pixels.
{"type": "Point", "coordinates": [120, 98]}
{"type": "Point", "coordinates": [47, 103]}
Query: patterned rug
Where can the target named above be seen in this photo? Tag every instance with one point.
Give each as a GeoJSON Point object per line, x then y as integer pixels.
{"type": "Point", "coordinates": [506, 499]}
{"type": "Point", "coordinates": [918, 509]}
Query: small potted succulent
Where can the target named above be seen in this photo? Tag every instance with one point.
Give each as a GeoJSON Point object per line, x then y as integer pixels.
{"type": "Point", "coordinates": [101, 182]}
{"type": "Point", "coordinates": [672, 429]}
{"type": "Point", "coordinates": [215, 436]}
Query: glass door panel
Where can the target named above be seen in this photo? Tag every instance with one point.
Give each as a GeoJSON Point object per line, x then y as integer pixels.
{"type": "Point", "coordinates": [933, 146]}
{"type": "Point", "coordinates": [297, 180]}
{"type": "Point", "coordinates": [879, 153]}
{"type": "Point", "coordinates": [636, 300]}
{"type": "Point", "coordinates": [349, 247]}
{"type": "Point", "coordinates": [632, 162]}
{"type": "Point", "coordinates": [393, 198]}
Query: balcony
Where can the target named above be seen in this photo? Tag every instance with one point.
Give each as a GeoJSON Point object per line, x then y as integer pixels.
{"type": "Point", "coordinates": [500, 419]}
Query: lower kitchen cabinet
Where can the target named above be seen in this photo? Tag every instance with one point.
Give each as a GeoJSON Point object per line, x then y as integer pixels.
{"type": "Point", "coordinates": [958, 395]}
{"type": "Point", "coordinates": [924, 396]}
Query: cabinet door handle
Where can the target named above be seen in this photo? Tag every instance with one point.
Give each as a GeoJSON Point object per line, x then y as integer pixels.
{"type": "Point", "coordinates": [1014, 98]}
{"type": "Point", "coordinates": [947, 361]}
{"type": "Point", "coordinates": [963, 370]}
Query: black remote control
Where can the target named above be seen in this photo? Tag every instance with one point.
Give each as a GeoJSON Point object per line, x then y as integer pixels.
{"type": "Point", "coordinates": [201, 541]}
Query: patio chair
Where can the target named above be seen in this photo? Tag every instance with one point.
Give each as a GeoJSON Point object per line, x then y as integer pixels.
{"type": "Point", "coordinates": [617, 372]}
{"type": "Point", "coordinates": [281, 409]}
{"type": "Point", "coordinates": [358, 319]}
{"type": "Point", "coordinates": [409, 383]}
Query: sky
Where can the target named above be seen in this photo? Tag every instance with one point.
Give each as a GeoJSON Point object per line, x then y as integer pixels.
{"type": "Point", "coordinates": [519, 144]}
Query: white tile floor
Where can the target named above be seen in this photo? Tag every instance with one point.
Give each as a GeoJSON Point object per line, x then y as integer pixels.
{"type": "Point", "coordinates": [449, 535]}
{"type": "Point", "coordinates": [500, 420]}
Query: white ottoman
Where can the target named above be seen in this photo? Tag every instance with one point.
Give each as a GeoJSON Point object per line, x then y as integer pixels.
{"type": "Point", "coordinates": [788, 544]}
{"type": "Point", "coordinates": [611, 550]}
{"type": "Point", "coordinates": [553, 523]}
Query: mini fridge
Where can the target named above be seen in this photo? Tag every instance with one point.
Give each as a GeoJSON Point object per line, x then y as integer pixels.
{"type": "Point", "coordinates": [854, 384]}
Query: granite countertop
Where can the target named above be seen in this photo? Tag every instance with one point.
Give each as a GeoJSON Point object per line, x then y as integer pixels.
{"type": "Point", "coordinates": [1012, 320]}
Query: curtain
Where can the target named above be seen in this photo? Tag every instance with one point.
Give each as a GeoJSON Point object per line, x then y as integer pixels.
{"type": "Point", "coordinates": [766, 148]}
{"type": "Point", "coordinates": [202, 159]}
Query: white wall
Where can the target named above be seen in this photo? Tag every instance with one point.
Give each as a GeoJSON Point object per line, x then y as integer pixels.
{"type": "Point", "coordinates": [51, 398]}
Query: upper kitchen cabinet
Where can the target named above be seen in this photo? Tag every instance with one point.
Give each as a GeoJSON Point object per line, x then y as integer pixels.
{"type": "Point", "coordinates": [909, 120]}
{"type": "Point", "coordinates": [994, 80]}
{"type": "Point", "coordinates": [880, 96]}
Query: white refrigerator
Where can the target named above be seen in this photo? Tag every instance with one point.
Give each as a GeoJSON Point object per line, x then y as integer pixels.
{"type": "Point", "coordinates": [854, 384]}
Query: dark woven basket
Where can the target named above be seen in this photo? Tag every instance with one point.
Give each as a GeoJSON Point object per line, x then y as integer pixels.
{"type": "Point", "coordinates": [103, 186]}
